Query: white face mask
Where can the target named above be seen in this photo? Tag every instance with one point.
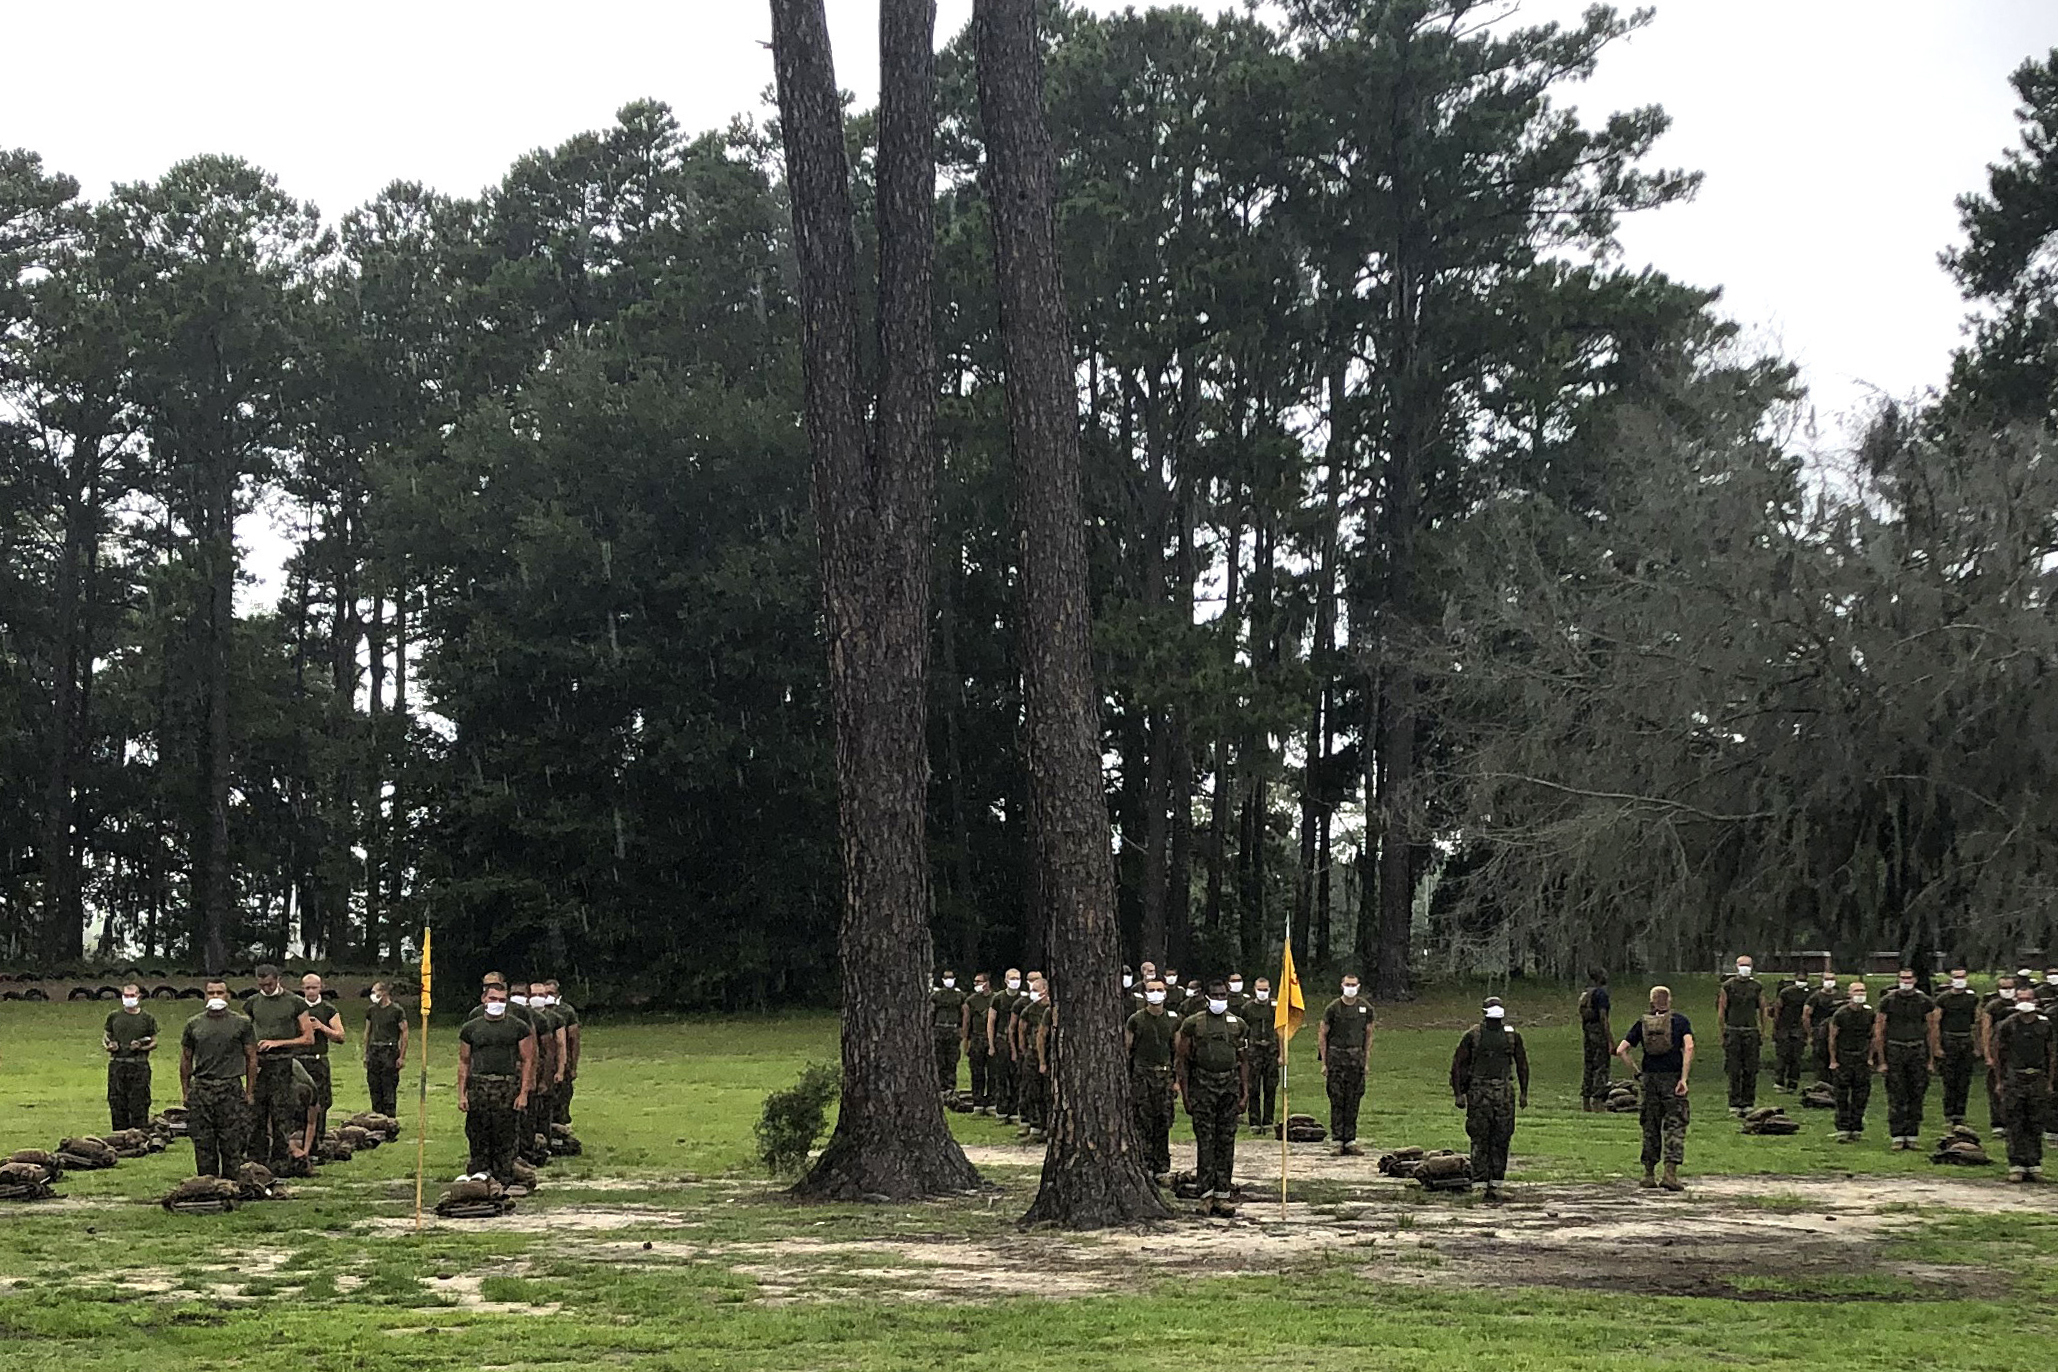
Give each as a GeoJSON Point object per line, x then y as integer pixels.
{"type": "Point", "coordinates": [1857, 997]}
{"type": "Point", "coordinates": [1154, 997]}
{"type": "Point", "coordinates": [217, 1004]}
{"type": "Point", "coordinates": [1957, 983]}
{"type": "Point", "coordinates": [1350, 990]}
{"type": "Point", "coordinates": [1127, 981]}
{"type": "Point", "coordinates": [1907, 986]}
{"type": "Point", "coordinates": [2028, 1005]}
{"type": "Point", "coordinates": [1014, 983]}
{"type": "Point", "coordinates": [130, 1002]}
{"type": "Point", "coordinates": [1262, 994]}
{"type": "Point", "coordinates": [1496, 1011]}
{"type": "Point", "coordinates": [496, 1008]}
{"type": "Point", "coordinates": [1829, 983]}
{"type": "Point", "coordinates": [518, 1000]}
{"type": "Point", "coordinates": [1743, 969]}
{"type": "Point", "coordinates": [950, 983]}
{"type": "Point", "coordinates": [1035, 994]}
{"type": "Point", "coordinates": [1218, 1005]}
{"type": "Point", "coordinates": [2051, 978]}
{"type": "Point", "coordinates": [378, 1000]}
{"type": "Point", "coordinates": [1236, 985]}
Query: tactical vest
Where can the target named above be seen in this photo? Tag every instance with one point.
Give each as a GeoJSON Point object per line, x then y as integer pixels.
{"type": "Point", "coordinates": [1493, 1053]}
{"type": "Point", "coordinates": [1746, 995]}
{"type": "Point", "coordinates": [1217, 1041]}
{"type": "Point", "coordinates": [2029, 1043]}
{"type": "Point", "coordinates": [1588, 1013]}
{"type": "Point", "coordinates": [1657, 1035]}
{"type": "Point", "coordinates": [949, 1003]}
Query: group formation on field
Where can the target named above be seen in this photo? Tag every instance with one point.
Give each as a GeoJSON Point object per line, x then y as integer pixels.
{"type": "Point", "coordinates": [256, 1088]}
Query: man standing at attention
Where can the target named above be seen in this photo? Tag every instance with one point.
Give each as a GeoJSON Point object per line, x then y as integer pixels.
{"type": "Point", "coordinates": [1032, 1060]}
{"type": "Point", "coordinates": [1343, 1045]}
{"type": "Point", "coordinates": [217, 1064]}
{"type": "Point", "coordinates": [128, 1037]}
{"type": "Point", "coordinates": [1262, 1049]}
{"type": "Point", "coordinates": [1488, 1055]}
{"type": "Point", "coordinates": [1596, 1042]}
{"type": "Point", "coordinates": [1739, 1008]}
{"type": "Point", "coordinates": [1789, 1033]}
{"type": "Point", "coordinates": [1000, 1045]}
{"type": "Point", "coordinates": [1853, 1056]}
{"type": "Point", "coordinates": [1996, 1008]}
{"type": "Point", "coordinates": [496, 1063]}
{"type": "Point", "coordinates": [385, 1050]}
{"type": "Point", "coordinates": [1957, 1033]}
{"type": "Point", "coordinates": [284, 1029]}
{"type": "Point", "coordinates": [328, 1028]}
{"type": "Point", "coordinates": [951, 1030]}
{"type": "Point", "coordinates": [1815, 1019]}
{"type": "Point", "coordinates": [977, 1056]}
{"type": "Point", "coordinates": [568, 1017]}
{"type": "Point", "coordinates": [1214, 1082]}
{"type": "Point", "coordinates": [2025, 1057]}
{"type": "Point", "coordinates": [1906, 1040]}
{"type": "Point", "coordinates": [1667, 1040]}
{"type": "Point", "coordinates": [1148, 1035]}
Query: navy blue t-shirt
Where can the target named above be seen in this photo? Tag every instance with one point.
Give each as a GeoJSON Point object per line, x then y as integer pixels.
{"type": "Point", "coordinates": [1600, 1001]}
{"type": "Point", "coordinates": [1673, 1062]}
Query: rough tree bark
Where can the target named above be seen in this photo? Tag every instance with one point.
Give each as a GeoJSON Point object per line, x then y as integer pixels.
{"type": "Point", "coordinates": [1094, 1173]}
{"type": "Point", "coordinates": [874, 495]}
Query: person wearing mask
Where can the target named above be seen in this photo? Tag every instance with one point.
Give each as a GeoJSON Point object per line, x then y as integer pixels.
{"type": "Point", "coordinates": [2046, 990]}
{"type": "Point", "coordinates": [284, 1030]}
{"type": "Point", "coordinates": [1032, 1061]}
{"type": "Point", "coordinates": [977, 1056]}
{"type": "Point", "coordinates": [948, 1005]}
{"type": "Point", "coordinates": [1905, 1034]}
{"type": "Point", "coordinates": [496, 1065]}
{"type": "Point", "coordinates": [2024, 1055]}
{"type": "Point", "coordinates": [1739, 1009]}
{"type": "Point", "coordinates": [1789, 1033]}
{"type": "Point", "coordinates": [1667, 1040]}
{"type": "Point", "coordinates": [128, 1038]}
{"type": "Point", "coordinates": [327, 1018]}
{"type": "Point", "coordinates": [1262, 1052]}
{"type": "Point", "coordinates": [1957, 1034]}
{"type": "Point", "coordinates": [1825, 1002]}
{"type": "Point", "coordinates": [1237, 996]}
{"type": "Point", "coordinates": [1000, 1045]}
{"type": "Point", "coordinates": [568, 1015]}
{"type": "Point", "coordinates": [1993, 1010]}
{"type": "Point", "coordinates": [1853, 1058]}
{"type": "Point", "coordinates": [1214, 1082]}
{"type": "Point", "coordinates": [217, 1068]}
{"type": "Point", "coordinates": [1596, 1042]}
{"type": "Point", "coordinates": [385, 1049]}
{"type": "Point", "coordinates": [1146, 973]}
{"type": "Point", "coordinates": [1148, 1035]}
{"type": "Point", "coordinates": [1196, 1000]}
{"type": "Point", "coordinates": [550, 1068]}
{"type": "Point", "coordinates": [1343, 1045]}
{"type": "Point", "coordinates": [518, 1013]}
{"type": "Point", "coordinates": [1486, 1071]}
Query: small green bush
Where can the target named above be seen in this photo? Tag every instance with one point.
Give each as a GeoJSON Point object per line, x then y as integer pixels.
{"type": "Point", "coordinates": [794, 1118]}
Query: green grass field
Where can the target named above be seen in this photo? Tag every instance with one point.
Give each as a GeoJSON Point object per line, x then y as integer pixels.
{"type": "Point", "coordinates": [664, 1247]}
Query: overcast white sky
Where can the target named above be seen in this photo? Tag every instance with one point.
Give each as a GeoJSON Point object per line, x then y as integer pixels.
{"type": "Point", "coordinates": [1834, 133]}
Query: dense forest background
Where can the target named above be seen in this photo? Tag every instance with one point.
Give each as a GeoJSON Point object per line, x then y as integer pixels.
{"type": "Point", "coordinates": [1461, 596]}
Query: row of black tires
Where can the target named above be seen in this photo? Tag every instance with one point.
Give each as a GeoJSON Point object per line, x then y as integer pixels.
{"type": "Point", "coordinates": [166, 992]}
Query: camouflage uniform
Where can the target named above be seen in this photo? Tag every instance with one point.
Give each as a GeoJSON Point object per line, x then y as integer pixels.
{"type": "Point", "coordinates": [978, 1003]}
{"type": "Point", "coordinates": [1663, 1112]}
{"type": "Point", "coordinates": [1821, 1005]}
{"type": "Point", "coordinates": [1001, 1072]}
{"type": "Point", "coordinates": [382, 1056]}
{"type": "Point", "coordinates": [1853, 1075]}
{"type": "Point", "coordinates": [2024, 1050]}
{"type": "Point", "coordinates": [1489, 1060]}
{"type": "Point", "coordinates": [275, 1115]}
{"type": "Point", "coordinates": [216, 1118]}
{"type": "Point", "coordinates": [1996, 1008]}
{"type": "Point", "coordinates": [1956, 1024]}
{"type": "Point", "coordinates": [1907, 1058]}
{"type": "Point", "coordinates": [1343, 1064]}
{"type": "Point", "coordinates": [491, 1124]}
{"type": "Point", "coordinates": [1261, 1049]}
{"type": "Point", "coordinates": [128, 1069]}
{"type": "Point", "coordinates": [1743, 1041]}
{"type": "Point", "coordinates": [1032, 1087]}
{"type": "Point", "coordinates": [1787, 1039]}
{"type": "Point", "coordinates": [1594, 1046]}
{"type": "Point", "coordinates": [948, 1004]}
{"type": "Point", "coordinates": [1215, 1086]}
{"type": "Point", "coordinates": [1150, 1083]}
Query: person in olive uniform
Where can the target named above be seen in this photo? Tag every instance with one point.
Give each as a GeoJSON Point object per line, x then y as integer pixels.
{"type": "Point", "coordinates": [517, 1013]}
{"type": "Point", "coordinates": [496, 1064]}
{"type": "Point", "coordinates": [1000, 1044]}
{"type": "Point", "coordinates": [2046, 990]}
{"type": "Point", "coordinates": [1262, 1045]}
{"type": "Point", "coordinates": [1148, 1035]}
{"type": "Point", "coordinates": [950, 1033]}
{"type": "Point", "coordinates": [1214, 1082]}
{"type": "Point", "coordinates": [1667, 1040]}
{"type": "Point", "coordinates": [1596, 1042]}
{"type": "Point", "coordinates": [1740, 1010]}
{"type": "Point", "coordinates": [1906, 1031]}
{"type": "Point", "coordinates": [327, 1017]}
{"type": "Point", "coordinates": [1958, 1036]}
{"type": "Point", "coordinates": [1146, 973]}
{"type": "Point", "coordinates": [977, 1056]}
{"type": "Point", "coordinates": [1824, 1002]}
{"type": "Point", "coordinates": [1196, 1000]}
{"type": "Point", "coordinates": [128, 1038]}
{"type": "Point", "coordinates": [1789, 1033]}
{"type": "Point", "coordinates": [1993, 1010]}
{"type": "Point", "coordinates": [550, 1063]}
{"type": "Point", "coordinates": [1488, 1056]}
{"type": "Point", "coordinates": [284, 1030]}
{"type": "Point", "coordinates": [303, 1142]}
{"type": "Point", "coordinates": [1343, 1044]}
{"type": "Point", "coordinates": [217, 1073]}
{"type": "Point", "coordinates": [2024, 1055]}
{"type": "Point", "coordinates": [568, 1016]}
{"type": "Point", "coordinates": [385, 1049]}
{"type": "Point", "coordinates": [1032, 1059]}
{"type": "Point", "coordinates": [1853, 1058]}
{"type": "Point", "coordinates": [1238, 997]}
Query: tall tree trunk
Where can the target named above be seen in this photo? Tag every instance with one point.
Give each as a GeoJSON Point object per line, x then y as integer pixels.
{"type": "Point", "coordinates": [64, 920]}
{"type": "Point", "coordinates": [1224, 798]}
{"type": "Point", "coordinates": [1094, 1172]}
{"type": "Point", "coordinates": [374, 799]}
{"type": "Point", "coordinates": [1315, 803]}
{"type": "Point", "coordinates": [873, 509]}
{"type": "Point", "coordinates": [1157, 826]}
{"type": "Point", "coordinates": [210, 827]}
{"type": "Point", "coordinates": [1179, 879]}
{"type": "Point", "coordinates": [397, 846]}
{"type": "Point", "coordinates": [968, 941]}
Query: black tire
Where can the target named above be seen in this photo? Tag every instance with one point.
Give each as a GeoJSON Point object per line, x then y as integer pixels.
{"type": "Point", "coordinates": [192, 993]}
{"type": "Point", "coordinates": [164, 993]}
{"type": "Point", "coordinates": [108, 993]}
{"type": "Point", "coordinates": [79, 993]}
{"type": "Point", "coordinates": [34, 993]}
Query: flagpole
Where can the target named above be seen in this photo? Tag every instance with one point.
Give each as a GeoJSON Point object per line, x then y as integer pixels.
{"type": "Point", "coordinates": [1285, 1052]}
{"type": "Point", "coordinates": [421, 1128]}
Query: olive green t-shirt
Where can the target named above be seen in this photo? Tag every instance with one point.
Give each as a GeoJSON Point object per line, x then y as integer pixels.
{"type": "Point", "coordinates": [1793, 999]}
{"type": "Point", "coordinates": [1346, 1020]}
{"type": "Point", "coordinates": [218, 1043]}
{"type": "Point", "coordinates": [126, 1030]}
{"type": "Point", "coordinates": [1152, 1044]}
{"type": "Point", "coordinates": [1906, 1013]}
{"type": "Point", "coordinates": [303, 1087]}
{"type": "Point", "coordinates": [1853, 1028]}
{"type": "Point", "coordinates": [1746, 995]}
{"type": "Point", "coordinates": [979, 1002]}
{"type": "Point", "coordinates": [1260, 1022]}
{"type": "Point", "coordinates": [1960, 1009]}
{"type": "Point", "coordinates": [323, 1013]}
{"type": "Point", "coordinates": [275, 1017]}
{"type": "Point", "coordinates": [520, 1014]}
{"type": "Point", "coordinates": [496, 1044]}
{"type": "Point", "coordinates": [2022, 1042]}
{"type": "Point", "coordinates": [948, 1002]}
{"type": "Point", "coordinates": [382, 1024]}
{"type": "Point", "coordinates": [1214, 1042]}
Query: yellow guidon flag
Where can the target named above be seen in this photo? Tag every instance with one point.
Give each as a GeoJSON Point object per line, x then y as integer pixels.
{"type": "Point", "coordinates": [426, 935]}
{"type": "Point", "coordinates": [1289, 1011]}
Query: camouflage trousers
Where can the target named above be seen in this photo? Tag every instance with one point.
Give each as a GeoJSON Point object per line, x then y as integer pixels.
{"type": "Point", "coordinates": [1664, 1115]}
{"type": "Point", "coordinates": [218, 1122]}
{"type": "Point", "coordinates": [1956, 1069]}
{"type": "Point", "coordinates": [490, 1125]}
{"type": "Point", "coordinates": [382, 1077]}
{"type": "Point", "coordinates": [946, 1059]}
{"type": "Point", "coordinates": [128, 1093]}
{"type": "Point", "coordinates": [534, 1122]}
{"type": "Point", "coordinates": [277, 1115]}
{"type": "Point", "coordinates": [561, 1102]}
{"type": "Point", "coordinates": [1153, 1104]}
{"type": "Point", "coordinates": [1819, 1051]}
{"type": "Point", "coordinates": [1741, 1049]}
{"type": "Point", "coordinates": [1264, 1083]}
{"type": "Point", "coordinates": [1215, 1100]}
{"type": "Point", "coordinates": [2025, 1100]}
{"type": "Point", "coordinates": [1032, 1092]}
{"type": "Point", "coordinates": [981, 1064]}
{"type": "Point", "coordinates": [1595, 1052]}
{"type": "Point", "coordinates": [1907, 1084]}
{"type": "Point", "coordinates": [1786, 1059]}
{"type": "Point", "coordinates": [1853, 1082]}
{"type": "Point", "coordinates": [1344, 1079]}
{"type": "Point", "coordinates": [1000, 1078]}
{"type": "Point", "coordinates": [1490, 1124]}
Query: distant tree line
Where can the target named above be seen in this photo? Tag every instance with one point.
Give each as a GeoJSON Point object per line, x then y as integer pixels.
{"type": "Point", "coordinates": [1458, 593]}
